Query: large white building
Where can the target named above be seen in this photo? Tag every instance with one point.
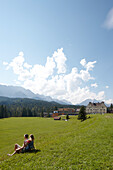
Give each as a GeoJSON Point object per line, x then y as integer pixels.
{"type": "Point", "coordinates": [96, 108]}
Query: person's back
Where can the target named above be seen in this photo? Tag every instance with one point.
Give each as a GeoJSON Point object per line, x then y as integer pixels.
{"type": "Point", "coordinates": [30, 143]}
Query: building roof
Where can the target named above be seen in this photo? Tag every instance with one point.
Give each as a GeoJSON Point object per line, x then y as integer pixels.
{"type": "Point", "coordinates": [57, 118]}
{"type": "Point", "coordinates": [96, 104]}
{"type": "Point", "coordinates": [66, 109]}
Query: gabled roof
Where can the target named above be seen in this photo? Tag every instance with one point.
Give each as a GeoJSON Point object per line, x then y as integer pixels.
{"type": "Point", "coordinates": [96, 104]}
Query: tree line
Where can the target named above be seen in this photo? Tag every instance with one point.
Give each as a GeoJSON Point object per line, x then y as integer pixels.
{"type": "Point", "coordinates": [3, 112]}
{"type": "Point", "coordinates": [27, 107]}
{"type": "Point", "coordinates": [6, 111]}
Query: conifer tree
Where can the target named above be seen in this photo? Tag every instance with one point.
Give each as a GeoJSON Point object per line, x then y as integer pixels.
{"type": "Point", "coordinates": [42, 113]}
{"type": "Point", "coordinates": [29, 112]}
{"type": "Point", "coordinates": [111, 106]}
{"type": "Point", "coordinates": [82, 114]}
{"type": "Point", "coordinates": [24, 112]}
{"type": "Point", "coordinates": [67, 116]}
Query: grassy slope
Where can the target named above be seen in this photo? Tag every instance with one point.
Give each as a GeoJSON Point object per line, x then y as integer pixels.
{"type": "Point", "coordinates": [63, 145]}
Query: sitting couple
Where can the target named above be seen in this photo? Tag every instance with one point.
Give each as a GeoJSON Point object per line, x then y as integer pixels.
{"type": "Point", "coordinates": [27, 146]}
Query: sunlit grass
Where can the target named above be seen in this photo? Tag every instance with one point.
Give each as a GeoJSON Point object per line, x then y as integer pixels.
{"type": "Point", "coordinates": [63, 145]}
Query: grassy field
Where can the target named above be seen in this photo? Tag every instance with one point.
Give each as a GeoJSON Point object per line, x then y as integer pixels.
{"type": "Point", "coordinates": [60, 144]}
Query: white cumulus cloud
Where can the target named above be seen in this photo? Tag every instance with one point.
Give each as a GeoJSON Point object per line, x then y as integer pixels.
{"type": "Point", "coordinates": [90, 65]}
{"type": "Point", "coordinates": [83, 62]}
{"type": "Point", "coordinates": [60, 60]}
{"type": "Point", "coordinates": [52, 79]}
{"type": "Point", "coordinates": [17, 63]}
{"type": "Point", "coordinates": [109, 101]}
{"type": "Point", "coordinates": [5, 63]}
{"type": "Point", "coordinates": [100, 96]}
{"type": "Point", "coordinates": [26, 65]}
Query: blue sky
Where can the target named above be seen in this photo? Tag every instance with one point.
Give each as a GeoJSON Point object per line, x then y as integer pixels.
{"type": "Point", "coordinates": [62, 48]}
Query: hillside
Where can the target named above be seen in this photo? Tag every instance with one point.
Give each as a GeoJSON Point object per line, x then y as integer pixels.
{"type": "Point", "coordinates": [27, 102]}
{"type": "Point", "coordinates": [60, 145]}
{"type": "Point", "coordinates": [17, 107]}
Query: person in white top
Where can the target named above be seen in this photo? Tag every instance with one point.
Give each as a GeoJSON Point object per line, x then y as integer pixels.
{"type": "Point", "coordinates": [19, 148]}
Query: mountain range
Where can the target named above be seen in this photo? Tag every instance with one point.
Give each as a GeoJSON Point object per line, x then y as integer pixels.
{"type": "Point", "coordinates": [86, 102]}
{"type": "Point", "coordinates": [20, 92]}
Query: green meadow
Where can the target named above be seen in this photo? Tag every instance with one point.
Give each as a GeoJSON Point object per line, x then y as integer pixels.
{"type": "Point", "coordinates": [60, 144]}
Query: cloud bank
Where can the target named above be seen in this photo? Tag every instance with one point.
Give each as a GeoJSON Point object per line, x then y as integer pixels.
{"type": "Point", "coordinates": [53, 80]}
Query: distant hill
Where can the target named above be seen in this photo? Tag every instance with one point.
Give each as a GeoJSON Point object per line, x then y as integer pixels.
{"type": "Point", "coordinates": [15, 105]}
{"type": "Point", "coordinates": [26, 102]}
{"type": "Point", "coordinates": [18, 107]}
{"type": "Point", "coordinates": [20, 92]}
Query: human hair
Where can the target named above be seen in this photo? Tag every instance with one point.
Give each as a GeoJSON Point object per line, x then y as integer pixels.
{"type": "Point", "coordinates": [32, 137]}
{"type": "Point", "coordinates": [26, 135]}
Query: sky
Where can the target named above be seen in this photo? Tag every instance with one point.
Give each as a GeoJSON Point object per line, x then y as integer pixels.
{"type": "Point", "coordinates": [60, 48]}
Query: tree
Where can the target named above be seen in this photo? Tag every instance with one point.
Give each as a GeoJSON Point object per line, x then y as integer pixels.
{"type": "Point", "coordinates": [67, 116]}
{"type": "Point", "coordinates": [3, 112]}
{"type": "Point", "coordinates": [42, 113]}
{"type": "Point", "coordinates": [29, 112]}
{"type": "Point", "coordinates": [48, 115]}
{"type": "Point", "coordinates": [111, 107]}
{"type": "Point", "coordinates": [34, 113]}
{"type": "Point", "coordinates": [48, 111]}
{"type": "Point", "coordinates": [24, 112]}
{"type": "Point", "coordinates": [82, 114]}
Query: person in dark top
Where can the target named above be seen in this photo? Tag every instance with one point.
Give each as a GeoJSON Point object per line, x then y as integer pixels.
{"type": "Point", "coordinates": [30, 143]}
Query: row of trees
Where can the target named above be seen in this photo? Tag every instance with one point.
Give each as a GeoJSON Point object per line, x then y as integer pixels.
{"type": "Point", "coordinates": [6, 111]}
{"type": "Point", "coordinates": [10, 111]}
{"type": "Point", "coordinates": [3, 112]}
{"type": "Point", "coordinates": [27, 112]}
{"type": "Point", "coordinates": [10, 107]}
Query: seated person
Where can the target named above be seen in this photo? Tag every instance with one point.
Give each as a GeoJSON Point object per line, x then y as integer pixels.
{"type": "Point", "coordinates": [18, 148]}
{"type": "Point", "coordinates": [30, 144]}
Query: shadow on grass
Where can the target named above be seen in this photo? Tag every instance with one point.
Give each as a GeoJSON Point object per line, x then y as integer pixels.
{"type": "Point", "coordinates": [33, 151]}
{"type": "Point", "coordinates": [89, 117]}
